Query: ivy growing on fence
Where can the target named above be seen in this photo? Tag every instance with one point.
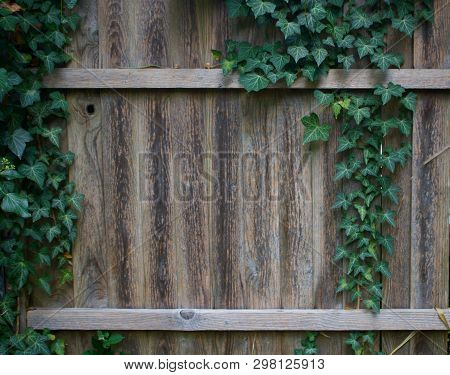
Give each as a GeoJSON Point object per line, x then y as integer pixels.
{"type": "Point", "coordinates": [39, 204]}
{"type": "Point", "coordinates": [316, 35]}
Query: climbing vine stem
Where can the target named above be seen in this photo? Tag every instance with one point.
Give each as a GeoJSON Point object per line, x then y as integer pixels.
{"type": "Point", "coordinates": [314, 36]}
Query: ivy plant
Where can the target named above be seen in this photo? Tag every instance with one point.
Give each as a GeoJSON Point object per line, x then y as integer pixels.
{"type": "Point", "coordinates": [316, 35]}
{"type": "Point", "coordinates": [103, 343]}
{"type": "Point", "coordinates": [39, 205]}
{"type": "Point", "coordinates": [369, 164]}
{"type": "Point", "coordinates": [308, 345]}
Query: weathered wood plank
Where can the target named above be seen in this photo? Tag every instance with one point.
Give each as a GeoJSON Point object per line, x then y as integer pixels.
{"type": "Point", "coordinates": [214, 79]}
{"type": "Point", "coordinates": [429, 262]}
{"type": "Point", "coordinates": [236, 320]}
{"type": "Point", "coordinates": [396, 288]}
{"type": "Point", "coordinates": [296, 207]}
{"type": "Point", "coordinates": [326, 234]}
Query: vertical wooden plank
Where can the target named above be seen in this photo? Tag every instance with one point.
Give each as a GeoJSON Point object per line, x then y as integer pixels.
{"type": "Point", "coordinates": [188, 137]}
{"type": "Point", "coordinates": [430, 194]}
{"type": "Point", "coordinates": [296, 229]}
{"type": "Point", "coordinates": [84, 45]}
{"type": "Point", "coordinates": [396, 288]}
{"type": "Point", "coordinates": [326, 233]}
{"type": "Point", "coordinates": [260, 212]}
{"type": "Point", "coordinates": [227, 255]}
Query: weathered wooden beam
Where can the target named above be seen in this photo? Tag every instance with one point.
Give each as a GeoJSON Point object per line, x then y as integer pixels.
{"type": "Point", "coordinates": [235, 320]}
{"type": "Point", "coordinates": [214, 79]}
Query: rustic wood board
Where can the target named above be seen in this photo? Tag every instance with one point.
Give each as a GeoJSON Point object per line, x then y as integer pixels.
{"type": "Point", "coordinates": [236, 320]}
{"type": "Point", "coordinates": [214, 79]}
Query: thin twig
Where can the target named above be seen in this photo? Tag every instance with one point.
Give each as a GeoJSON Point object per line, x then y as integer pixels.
{"type": "Point", "coordinates": [434, 156]}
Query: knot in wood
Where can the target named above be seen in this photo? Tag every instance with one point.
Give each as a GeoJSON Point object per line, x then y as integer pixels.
{"type": "Point", "coordinates": [187, 314]}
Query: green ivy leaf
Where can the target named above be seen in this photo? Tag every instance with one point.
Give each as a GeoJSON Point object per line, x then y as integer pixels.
{"type": "Point", "coordinates": [342, 201]}
{"type": "Point", "coordinates": [315, 131]}
{"type": "Point", "coordinates": [35, 172]}
{"type": "Point", "coordinates": [358, 113]}
{"type": "Point", "coordinates": [30, 95]}
{"type": "Point", "coordinates": [236, 8]}
{"type": "Point", "coordinates": [297, 52]}
{"type": "Point", "coordinates": [323, 98]}
{"type": "Point", "coordinates": [387, 92]}
{"type": "Point", "coordinates": [288, 28]}
{"type": "Point", "coordinates": [52, 233]}
{"type": "Point", "coordinates": [387, 242]}
{"type": "Point", "coordinates": [17, 141]}
{"type": "Point", "coordinates": [58, 101]}
{"type": "Point", "coordinates": [383, 268]}
{"type": "Point", "coordinates": [16, 204]}
{"type": "Point", "coordinates": [254, 82]}
{"type": "Point", "coordinates": [261, 7]}
{"type": "Point", "coordinates": [388, 217]}
{"type": "Point", "coordinates": [319, 55]}
{"type": "Point", "coordinates": [52, 135]}
{"type": "Point", "coordinates": [405, 25]}
{"type": "Point", "coordinates": [409, 101]}
{"type": "Point", "coordinates": [279, 61]}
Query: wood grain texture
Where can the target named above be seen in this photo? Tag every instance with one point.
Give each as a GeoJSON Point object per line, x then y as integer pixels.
{"type": "Point", "coordinates": [236, 320]}
{"type": "Point", "coordinates": [214, 79]}
{"type": "Point", "coordinates": [429, 265]}
{"type": "Point", "coordinates": [396, 288]}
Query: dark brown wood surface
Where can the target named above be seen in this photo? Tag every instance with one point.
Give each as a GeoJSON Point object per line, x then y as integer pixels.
{"type": "Point", "coordinates": [179, 186]}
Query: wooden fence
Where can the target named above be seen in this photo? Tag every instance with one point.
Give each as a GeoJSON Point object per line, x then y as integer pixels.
{"type": "Point", "coordinates": [201, 200]}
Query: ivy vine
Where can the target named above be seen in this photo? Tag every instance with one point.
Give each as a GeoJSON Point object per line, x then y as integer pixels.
{"type": "Point", "coordinates": [38, 203]}
{"type": "Point", "coordinates": [316, 35]}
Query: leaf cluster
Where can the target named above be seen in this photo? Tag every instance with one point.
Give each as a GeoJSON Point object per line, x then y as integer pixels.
{"type": "Point", "coordinates": [103, 343]}
{"type": "Point", "coordinates": [369, 165]}
{"type": "Point", "coordinates": [38, 203]}
{"type": "Point", "coordinates": [316, 35]}
{"type": "Point", "coordinates": [308, 345]}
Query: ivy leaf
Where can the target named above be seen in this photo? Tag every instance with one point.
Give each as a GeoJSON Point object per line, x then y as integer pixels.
{"type": "Point", "coordinates": [387, 92]}
{"type": "Point", "coordinates": [406, 24]}
{"type": "Point", "coordinates": [17, 141]}
{"type": "Point", "coordinates": [409, 101]}
{"type": "Point", "coordinates": [20, 271]}
{"type": "Point", "coordinates": [346, 61]}
{"type": "Point", "coordinates": [343, 171]}
{"type": "Point", "coordinates": [323, 98]}
{"type": "Point", "coordinates": [388, 217]}
{"type": "Point", "coordinates": [288, 28]}
{"type": "Point", "coordinates": [254, 82]}
{"type": "Point", "coordinates": [341, 253]}
{"type": "Point", "coordinates": [358, 113]}
{"type": "Point", "coordinates": [343, 285]}
{"type": "Point", "coordinates": [361, 20]}
{"type": "Point", "coordinates": [279, 61]}
{"type": "Point", "coordinates": [385, 60]}
{"type": "Point", "coordinates": [236, 8]}
{"type": "Point", "coordinates": [228, 66]}
{"type": "Point", "coordinates": [404, 126]}
{"type": "Point", "coordinates": [15, 203]}
{"type": "Point", "coordinates": [344, 143]}
{"type": "Point", "coordinates": [43, 282]}
{"type": "Point", "coordinates": [297, 52]}
{"type": "Point", "coordinates": [315, 131]}
{"type": "Point", "coordinates": [9, 23]}
{"type": "Point", "coordinates": [52, 233]}
{"type": "Point", "coordinates": [75, 200]}
{"type": "Point", "coordinates": [31, 95]}
{"type": "Point", "coordinates": [49, 60]}
{"type": "Point", "coordinates": [342, 201]}
{"type": "Point", "coordinates": [364, 47]}
{"type": "Point", "coordinates": [260, 7]}
{"type": "Point", "coordinates": [391, 192]}
{"type": "Point", "coordinates": [58, 347]}
{"type": "Point", "coordinates": [382, 267]}
{"type": "Point", "coordinates": [52, 135]}
{"type": "Point", "coordinates": [387, 242]}
{"type": "Point", "coordinates": [58, 101]}
{"type": "Point", "coordinates": [372, 303]}
{"type": "Point", "coordinates": [67, 219]}
{"type": "Point", "coordinates": [35, 172]}
{"type": "Point", "coordinates": [319, 55]}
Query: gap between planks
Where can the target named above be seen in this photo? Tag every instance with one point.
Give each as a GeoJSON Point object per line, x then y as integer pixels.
{"type": "Point", "coordinates": [68, 78]}
{"type": "Point", "coordinates": [235, 320]}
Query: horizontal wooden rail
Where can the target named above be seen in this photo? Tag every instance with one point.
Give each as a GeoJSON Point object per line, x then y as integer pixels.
{"type": "Point", "coordinates": [214, 79]}
{"type": "Point", "coordinates": [235, 320]}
